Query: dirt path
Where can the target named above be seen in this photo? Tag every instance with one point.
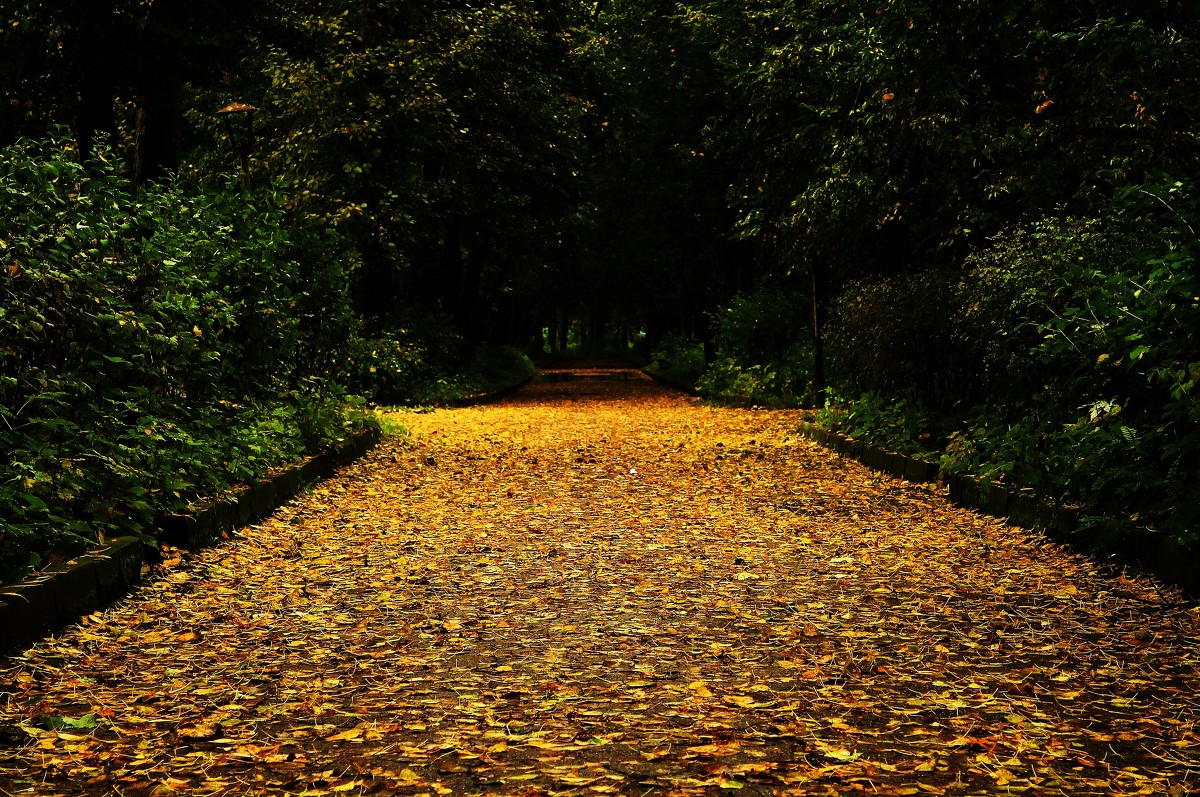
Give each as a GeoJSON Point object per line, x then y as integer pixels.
{"type": "Point", "coordinates": [598, 587]}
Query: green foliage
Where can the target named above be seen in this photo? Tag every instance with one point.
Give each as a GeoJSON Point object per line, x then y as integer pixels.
{"type": "Point", "coordinates": [412, 368]}
{"type": "Point", "coordinates": [874, 143]}
{"type": "Point", "coordinates": [678, 361]}
{"type": "Point", "coordinates": [156, 349]}
{"type": "Point", "coordinates": [889, 423]}
{"type": "Point", "coordinates": [1064, 358]}
{"type": "Point", "coordinates": [729, 381]}
{"type": "Point", "coordinates": [1111, 422]}
{"type": "Point", "coordinates": [764, 351]}
{"type": "Point", "coordinates": [387, 370]}
{"type": "Point", "coordinates": [888, 337]}
{"type": "Point", "coordinates": [766, 325]}
{"type": "Point", "coordinates": [443, 141]}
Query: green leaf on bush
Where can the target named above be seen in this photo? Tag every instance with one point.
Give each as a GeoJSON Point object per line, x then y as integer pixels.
{"type": "Point", "coordinates": [52, 723]}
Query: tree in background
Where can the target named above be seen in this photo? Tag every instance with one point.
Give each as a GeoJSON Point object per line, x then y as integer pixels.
{"type": "Point", "coordinates": [119, 69]}
{"type": "Point", "coordinates": [875, 142]}
{"type": "Point", "coordinates": [443, 141]}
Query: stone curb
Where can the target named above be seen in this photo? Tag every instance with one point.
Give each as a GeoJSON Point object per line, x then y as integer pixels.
{"type": "Point", "coordinates": [673, 384]}
{"type": "Point", "coordinates": [488, 398]}
{"type": "Point", "coordinates": [49, 600]}
{"type": "Point", "coordinates": [205, 526]}
{"type": "Point", "coordinates": [1150, 552]}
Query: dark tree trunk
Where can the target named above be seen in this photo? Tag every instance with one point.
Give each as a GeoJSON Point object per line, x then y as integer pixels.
{"type": "Point", "coordinates": [472, 307]}
{"type": "Point", "coordinates": [564, 332]}
{"type": "Point", "coordinates": [159, 129]}
{"type": "Point", "coordinates": [374, 287]}
{"type": "Point", "coordinates": [91, 48]}
{"type": "Point", "coordinates": [819, 305]}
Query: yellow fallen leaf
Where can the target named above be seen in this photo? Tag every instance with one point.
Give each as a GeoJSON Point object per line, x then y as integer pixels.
{"type": "Point", "coordinates": [704, 749]}
{"type": "Point", "coordinates": [1003, 777]}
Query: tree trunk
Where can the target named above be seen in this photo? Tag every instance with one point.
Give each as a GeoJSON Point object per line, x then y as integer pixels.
{"type": "Point", "coordinates": [159, 129]}
{"type": "Point", "coordinates": [90, 46]}
{"type": "Point", "coordinates": [819, 302]}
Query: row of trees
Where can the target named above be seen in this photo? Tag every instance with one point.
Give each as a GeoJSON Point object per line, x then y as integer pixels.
{"type": "Point", "coordinates": [517, 162]}
{"type": "Point", "coordinates": [522, 168]}
{"type": "Point", "coordinates": [963, 206]}
{"type": "Point", "coordinates": [989, 210]}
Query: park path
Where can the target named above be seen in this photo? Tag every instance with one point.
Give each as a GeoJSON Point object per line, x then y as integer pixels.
{"type": "Point", "coordinates": [599, 587]}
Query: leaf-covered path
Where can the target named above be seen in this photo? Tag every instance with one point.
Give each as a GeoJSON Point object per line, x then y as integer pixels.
{"type": "Point", "coordinates": [599, 587]}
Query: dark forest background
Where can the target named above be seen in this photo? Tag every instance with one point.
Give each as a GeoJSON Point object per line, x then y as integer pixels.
{"type": "Point", "coordinates": [965, 230]}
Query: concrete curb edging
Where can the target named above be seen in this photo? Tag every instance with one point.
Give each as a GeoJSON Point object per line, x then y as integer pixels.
{"type": "Point", "coordinates": [58, 596]}
{"type": "Point", "coordinates": [488, 398]}
{"type": "Point", "coordinates": [49, 600]}
{"type": "Point", "coordinates": [204, 527]}
{"type": "Point", "coordinates": [1151, 552]}
{"type": "Point", "coordinates": [677, 386]}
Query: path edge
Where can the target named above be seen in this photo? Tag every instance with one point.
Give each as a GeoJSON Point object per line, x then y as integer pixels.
{"type": "Point", "coordinates": [1150, 552]}
{"type": "Point", "coordinates": [477, 399]}
{"type": "Point", "coordinates": [49, 600]}
{"type": "Point", "coordinates": [673, 384]}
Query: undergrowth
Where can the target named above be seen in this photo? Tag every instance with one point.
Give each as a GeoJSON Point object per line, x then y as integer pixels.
{"type": "Point", "coordinates": [156, 349]}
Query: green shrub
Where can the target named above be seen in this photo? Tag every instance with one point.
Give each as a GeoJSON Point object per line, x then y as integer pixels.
{"type": "Point", "coordinates": [765, 326]}
{"type": "Point", "coordinates": [404, 368]}
{"type": "Point", "coordinates": [890, 337]}
{"type": "Point", "coordinates": [1065, 357]}
{"type": "Point", "coordinates": [1103, 410]}
{"type": "Point", "coordinates": [889, 423]}
{"type": "Point", "coordinates": [678, 360]}
{"type": "Point", "coordinates": [155, 349]}
{"type": "Point", "coordinates": [764, 351]}
{"type": "Point", "coordinates": [730, 381]}
{"type": "Point", "coordinates": [387, 370]}
{"type": "Point", "coordinates": [1015, 287]}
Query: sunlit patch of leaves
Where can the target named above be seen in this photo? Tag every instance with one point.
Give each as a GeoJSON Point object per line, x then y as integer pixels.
{"type": "Point", "coordinates": [598, 587]}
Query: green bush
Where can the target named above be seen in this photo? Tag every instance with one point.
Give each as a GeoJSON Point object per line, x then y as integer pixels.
{"type": "Point", "coordinates": [730, 381]}
{"type": "Point", "coordinates": [678, 360]}
{"type": "Point", "coordinates": [889, 337]}
{"type": "Point", "coordinates": [1016, 286]}
{"type": "Point", "coordinates": [155, 349]}
{"type": "Point", "coordinates": [889, 423]}
{"type": "Point", "coordinates": [387, 370]}
{"type": "Point", "coordinates": [428, 365]}
{"type": "Point", "coordinates": [764, 326]}
{"type": "Point", "coordinates": [764, 351]}
{"type": "Point", "coordinates": [1111, 419]}
{"type": "Point", "coordinates": [1065, 357]}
